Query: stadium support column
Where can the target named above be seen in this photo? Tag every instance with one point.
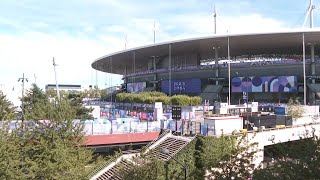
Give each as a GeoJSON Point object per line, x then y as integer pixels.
{"type": "Point", "coordinates": [313, 65]}
{"type": "Point", "coordinates": [126, 77]}
{"type": "Point", "coordinates": [216, 64]}
{"type": "Point", "coordinates": [313, 72]}
{"type": "Point", "coordinates": [304, 71]}
{"type": "Point", "coordinates": [154, 73]}
{"type": "Point", "coordinates": [111, 98]}
{"type": "Point", "coordinates": [170, 69]}
{"type": "Point", "coordinates": [134, 66]}
{"type": "Point", "coordinates": [229, 71]}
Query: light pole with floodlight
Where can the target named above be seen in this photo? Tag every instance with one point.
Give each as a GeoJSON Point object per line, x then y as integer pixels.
{"type": "Point", "coordinates": [23, 79]}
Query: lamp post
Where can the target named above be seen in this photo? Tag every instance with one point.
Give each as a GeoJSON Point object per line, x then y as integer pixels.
{"type": "Point", "coordinates": [23, 79]}
{"type": "Point", "coordinates": [184, 166]}
{"type": "Point", "coordinates": [246, 98]}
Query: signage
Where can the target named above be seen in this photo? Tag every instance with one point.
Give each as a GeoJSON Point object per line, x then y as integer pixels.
{"type": "Point", "coordinates": [158, 105]}
{"type": "Point", "coordinates": [217, 78]}
{"type": "Point", "coordinates": [313, 77]}
{"type": "Point", "coordinates": [244, 95]}
{"type": "Point", "coordinates": [176, 113]}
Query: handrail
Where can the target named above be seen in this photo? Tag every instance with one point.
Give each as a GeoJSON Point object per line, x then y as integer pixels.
{"type": "Point", "coordinates": [181, 147]}
{"type": "Point", "coordinates": [163, 134]}
{"type": "Point", "coordinates": [131, 151]}
{"type": "Point", "coordinates": [273, 129]}
{"type": "Point", "coordinates": [101, 166]}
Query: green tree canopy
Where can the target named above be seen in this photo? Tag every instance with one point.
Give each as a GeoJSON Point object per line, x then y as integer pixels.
{"type": "Point", "coordinates": [6, 108]}
{"type": "Point", "coordinates": [45, 150]}
{"type": "Point", "coordinates": [293, 160]}
{"type": "Point", "coordinates": [295, 110]}
{"type": "Point", "coordinates": [37, 102]}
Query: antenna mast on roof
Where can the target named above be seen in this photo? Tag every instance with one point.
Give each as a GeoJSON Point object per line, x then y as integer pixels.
{"type": "Point", "coordinates": [215, 19]}
{"type": "Point", "coordinates": [309, 14]}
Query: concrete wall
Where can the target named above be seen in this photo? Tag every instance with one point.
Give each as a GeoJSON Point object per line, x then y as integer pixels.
{"type": "Point", "coordinates": [275, 136]}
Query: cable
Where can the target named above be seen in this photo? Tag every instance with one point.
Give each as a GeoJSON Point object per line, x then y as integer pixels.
{"type": "Point", "coordinates": [301, 17]}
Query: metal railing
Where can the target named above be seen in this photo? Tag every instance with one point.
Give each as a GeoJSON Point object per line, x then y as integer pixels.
{"type": "Point", "coordinates": [166, 131]}
{"type": "Point", "coordinates": [101, 166]}
{"type": "Point", "coordinates": [181, 147]}
{"type": "Point", "coordinates": [121, 128]}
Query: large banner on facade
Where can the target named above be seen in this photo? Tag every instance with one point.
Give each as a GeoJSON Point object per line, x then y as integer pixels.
{"type": "Point", "coordinates": [265, 84]}
{"type": "Point", "coordinates": [136, 87]}
{"type": "Point", "coordinates": [182, 86]}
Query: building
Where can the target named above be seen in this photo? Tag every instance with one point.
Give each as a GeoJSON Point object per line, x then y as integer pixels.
{"type": "Point", "coordinates": [234, 68]}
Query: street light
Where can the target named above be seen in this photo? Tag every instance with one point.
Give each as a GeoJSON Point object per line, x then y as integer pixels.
{"type": "Point", "coordinates": [23, 79]}
{"type": "Point", "coordinates": [184, 166]}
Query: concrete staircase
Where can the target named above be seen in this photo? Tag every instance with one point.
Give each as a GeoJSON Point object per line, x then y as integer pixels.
{"type": "Point", "coordinates": [114, 173]}
{"type": "Point", "coordinates": [174, 144]}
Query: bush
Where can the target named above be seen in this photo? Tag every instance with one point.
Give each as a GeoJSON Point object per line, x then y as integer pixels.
{"type": "Point", "coordinates": [195, 101]}
{"type": "Point", "coordinates": [181, 100]}
{"type": "Point", "coordinates": [152, 97]}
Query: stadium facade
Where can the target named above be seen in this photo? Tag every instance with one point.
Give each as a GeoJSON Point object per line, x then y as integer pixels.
{"type": "Point", "coordinates": [266, 67]}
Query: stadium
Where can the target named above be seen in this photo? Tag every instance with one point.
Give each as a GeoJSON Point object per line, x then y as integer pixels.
{"type": "Point", "coordinates": [233, 68]}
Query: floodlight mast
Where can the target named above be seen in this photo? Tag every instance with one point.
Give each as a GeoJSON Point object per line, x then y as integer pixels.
{"type": "Point", "coordinates": [55, 75]}
{"type": "Point", "coordinates": [309, 14]}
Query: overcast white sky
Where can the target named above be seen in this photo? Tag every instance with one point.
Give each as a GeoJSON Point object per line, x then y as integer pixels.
{"type": "Point", "coordinates": [76, 32]}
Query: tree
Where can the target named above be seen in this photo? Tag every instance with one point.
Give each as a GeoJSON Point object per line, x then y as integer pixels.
{"type": "Point", "coordinates": [294, 160]}
{"type": "Point", "coordinates": [295, 109]}
{"type": "Point", "coordinates": [76, 102]}
{"type": "Point", "coordinates": [104, 93]}
{"type": "Point", "coordinates": [10, 164]}
{"type": "Point", "coordinates": [145, 168]}
{"type": "Point", "coordinates": [46, 149]}
{"type": "Point", "coordinates": [35, 104]}
{"type": "Point", "coordinates": [237, 164]}
{"type": "Point", "coordinates": [6, 108]}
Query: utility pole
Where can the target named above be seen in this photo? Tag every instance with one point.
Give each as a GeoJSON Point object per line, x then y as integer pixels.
{"type": "Point", "coordinates": [22, 79]}
{"type": "Point", "coordinates": [55, 75]}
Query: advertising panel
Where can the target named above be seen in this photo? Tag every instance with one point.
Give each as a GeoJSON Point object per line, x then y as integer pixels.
{"type": "Point", "coordinates": [265, 84]}
{"type": "Point", "coordinates": [136, 87]}
{"type": "Point", "coordinates": [182, 86]}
